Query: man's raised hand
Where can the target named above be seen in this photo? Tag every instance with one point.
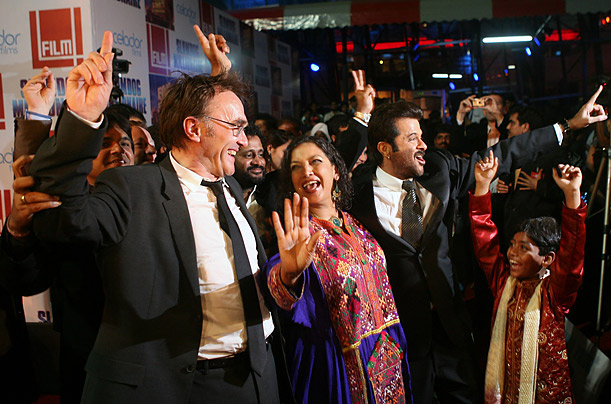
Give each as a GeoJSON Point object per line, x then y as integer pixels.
{"type": "Point", "coordinates": [216, 49]}
{"type": "Point", "coordinates": [90, 83]}
{"type": "Point", "coordinates": [589, 113]}
{"type": "Point", "coordinates": [365, 94]}
{"type": "Point", "coordinates": [39, 92]}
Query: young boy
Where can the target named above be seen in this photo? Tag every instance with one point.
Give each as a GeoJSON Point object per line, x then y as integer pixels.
{"type": "Point", "coordinates": [533, 289]}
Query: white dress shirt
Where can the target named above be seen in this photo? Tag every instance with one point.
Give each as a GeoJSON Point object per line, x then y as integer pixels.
{"type": "Point", "coordinates": [224, 327]}
{"type": "Point", "coordinates": [388, 197]}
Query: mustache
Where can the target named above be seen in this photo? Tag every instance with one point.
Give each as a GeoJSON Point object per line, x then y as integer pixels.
{"type": "Point", "coordinates": [255, 168]}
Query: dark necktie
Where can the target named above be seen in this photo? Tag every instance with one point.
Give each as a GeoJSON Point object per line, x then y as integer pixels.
{"type": "Point", "coordinates": [250, 299]}
{"type": "Point", "coordinates": [411, 215]}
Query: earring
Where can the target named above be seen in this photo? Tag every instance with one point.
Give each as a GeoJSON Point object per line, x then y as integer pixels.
{"type": "Point", "coordinates": [336, 194]}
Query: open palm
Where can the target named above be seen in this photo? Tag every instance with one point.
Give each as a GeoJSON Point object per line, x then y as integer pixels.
{"type": "Point", "coordinates": [295, 244]}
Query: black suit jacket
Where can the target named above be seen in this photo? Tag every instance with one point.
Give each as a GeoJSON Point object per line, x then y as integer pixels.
{"type": "Point", "coordinates": [138, 222]}
{"type": "Point", "coordinates": [423, 279]}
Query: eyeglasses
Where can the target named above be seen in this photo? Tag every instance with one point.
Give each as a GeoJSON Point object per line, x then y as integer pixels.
{"type": "Point", "coordinates": [237, 129]}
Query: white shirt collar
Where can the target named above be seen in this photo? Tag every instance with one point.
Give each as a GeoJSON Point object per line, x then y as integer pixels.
{"type": "Point", "coordinates": [389, 181]}
{"type": "Point", "coordinates": [189, 178]}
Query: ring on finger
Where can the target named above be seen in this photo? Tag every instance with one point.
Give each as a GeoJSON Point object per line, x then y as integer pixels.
{"type": "Point", "coordinates": [23, 200]}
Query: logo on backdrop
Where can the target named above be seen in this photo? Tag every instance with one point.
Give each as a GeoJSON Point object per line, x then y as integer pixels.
{"type": "Point", "coordinates": [132, 93]}
{"type": "Point", "coordinates": [9, 42]}
{"type": "Point", "coordinates": [159, 49]}
{"type": "Point", "coordinates": [57, 37]}
{"type": "Point", "coordinates": [2, 118]}
{"type": "Point", "coordinates": [186, 11]}
{"type": "Point", "coordinates": [133, 3]}
{"type": "Point", "coordinates": [131, 41]}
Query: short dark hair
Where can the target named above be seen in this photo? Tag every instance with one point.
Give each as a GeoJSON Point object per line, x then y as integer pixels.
{"type": "Point", "coordinates": [530, 116]}
{"type": "Point", "coordinates": [383, 124]}
{"type": "Point", "coordinates": [120, 120]}
{"type": "Point", "coordinates": [344, 184]}
{"type": "Point", "coordinates": [128, 111]}
{"type": "Point", "coordinates": [544, 233]}
{"type": "Point", "coordinates": [191, 96]}
{"type": "Point", "coordinates": [276, 138]}
{"type": "Point", "coordinates": [253, 130]}
{"type": "Point", "coordinates": [270, 122]}
{"type": "Point", "coordinates": [337, 122]}
{"type": "Point", "coordinates": [291, 122]}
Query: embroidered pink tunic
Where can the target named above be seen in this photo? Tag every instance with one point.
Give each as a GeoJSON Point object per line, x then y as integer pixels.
{"type": "Point", "coordinates": [344, 341]}
{"type": "Point", "coordinates": [558, 293]}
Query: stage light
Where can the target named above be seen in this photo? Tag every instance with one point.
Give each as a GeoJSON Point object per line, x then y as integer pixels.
{"type": "Point", "coordinates": [381, 62]}
{"type": "Point", "coordinates": [457, 76]}
{"type": "Point", "coordinates": [416, 57]}
{"type": "Point", "coordinates": [452, 86]}
{"type": "Point", "coordinates": [314, 67]}
{"type": "Point", "coordinates": [511, 67]}
{"type": "Point", "coordinates": [440, 75]}
{"type": "Point", "coordinates": [506, 72]}
{"type": "Point", "coordinates": [528, 51]}
{"type": "Point", "coordinates": [505, 39]}
{"type": "Point", "coordinates": [475, 76]}
{"type": "Point", "coordinates": [536, 41]}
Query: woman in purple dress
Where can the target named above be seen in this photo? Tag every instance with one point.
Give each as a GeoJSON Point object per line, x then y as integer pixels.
{"type": "Point", "coordinates": [344, 342]}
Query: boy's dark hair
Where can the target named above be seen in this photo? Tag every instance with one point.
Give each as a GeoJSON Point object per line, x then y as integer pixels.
{"type": "Point", "coordinates": [544, 233]}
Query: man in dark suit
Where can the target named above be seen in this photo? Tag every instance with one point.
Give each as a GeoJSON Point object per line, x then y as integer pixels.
{"type": "Point", "coordinates": [184, 320]}
{"type": "Point", "coordinates": [420, 270]}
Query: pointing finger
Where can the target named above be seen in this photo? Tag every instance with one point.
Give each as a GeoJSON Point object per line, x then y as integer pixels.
{"type": "Point", "coordinates": [106, 44]}
{"type": "Point", "coordinates": [592, 99]}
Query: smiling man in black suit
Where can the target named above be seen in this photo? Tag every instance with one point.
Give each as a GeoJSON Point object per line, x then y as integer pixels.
{"type": "Point", "coordinates": [407, 202]}
{"type": "Point", "coordinates": [184, 320]}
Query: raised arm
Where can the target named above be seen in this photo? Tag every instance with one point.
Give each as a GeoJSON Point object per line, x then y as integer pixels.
{"type": "Point", "coordinates": [485, 170]}
{"type": "Point", "coordinates": [484, 233]}
{"type": "Point", "coordinates": [567, 273]}
{"type": "Point", "coordinates": [295, 244]}
{"type": "Point", "coordinates": [216, 49]}
{"type": "Point", "coordinates": [39, 92]}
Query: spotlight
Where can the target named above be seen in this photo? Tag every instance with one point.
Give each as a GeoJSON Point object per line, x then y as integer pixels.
{"type": "Point", "coordinates": [528, 51]}
{"type": "Point", "coordinates": [314, 67]}
{"type": "Point", "coordinates": [475, 76]}
{"type": "Point", "coordinates": [505, 39]}
{"type": "Point", "coordinates": [456, 76]}
{"type": "Point", "coordinates": [452, 85]}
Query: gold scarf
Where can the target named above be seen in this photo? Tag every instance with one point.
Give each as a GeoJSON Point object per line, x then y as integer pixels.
{"type": "Point", "coordinates": [495, 369]}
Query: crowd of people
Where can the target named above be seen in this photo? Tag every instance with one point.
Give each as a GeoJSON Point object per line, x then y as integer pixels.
{"type": "Point", "coordinates": [321, 260]}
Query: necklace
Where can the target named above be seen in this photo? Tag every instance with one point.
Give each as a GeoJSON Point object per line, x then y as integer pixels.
{"type": "Point", "coordinates": [336, 221]}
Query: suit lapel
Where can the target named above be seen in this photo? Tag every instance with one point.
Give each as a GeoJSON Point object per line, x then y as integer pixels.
{"type": "Point", "coordinates": [436, 214]}
{"type": "Point", "coordinates": [177, 212]}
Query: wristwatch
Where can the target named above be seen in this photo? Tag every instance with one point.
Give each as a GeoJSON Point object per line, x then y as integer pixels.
{"type": "Point", "coordinates": [566, 129]}
{"type": "Point", "coordinates": [363, 117]}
